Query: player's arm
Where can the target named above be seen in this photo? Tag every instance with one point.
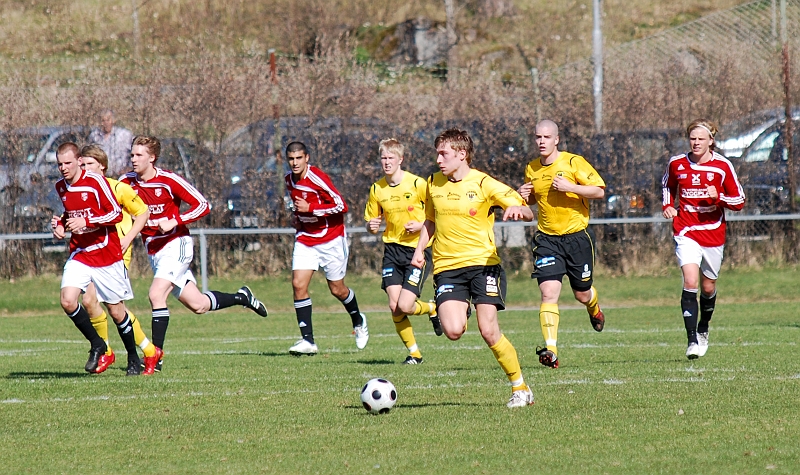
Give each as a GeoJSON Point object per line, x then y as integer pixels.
{"type": "Point", "coordinates": [499, 194]}
{"type": "Point", "coordinates": [373, 212]}
{"type": "Point", "coordinates": [110, 212]}
{"type": "Point", "coordinates": [133, 205]}
{"type": "Point", "coordinates": [669, 189]}
{"type": "Point", "coordinates": [420, 185]}
{"type": "Point", "coordinates": [331, 201]}
{"type": "Point", "coordinates": [425, 233]}
{"type": "Point", "coordinates": [588, 183]}
{"type": "Point", "coordinates": [198, 205]}
{"type": "Point", "coordinates": [732, 194]}
{"type": "Point", "coordinates": [526, 190]}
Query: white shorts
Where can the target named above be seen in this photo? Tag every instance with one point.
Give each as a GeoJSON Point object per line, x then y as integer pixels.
{"type": "Point", "coordinates": [331, 256]}
{"type": "Point", "coordinates": [708, 258]}
{"type": "Point", "coordinates": [111, 282]}
{"type": "Point", "coordinates": [172, 263]}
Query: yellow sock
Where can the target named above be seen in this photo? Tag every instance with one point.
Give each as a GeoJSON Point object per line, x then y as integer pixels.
{"type": "Point", "coordinates": [548, 319]}
{"type": "Point", "coordinates": [506, 355]}
{"type": "Point", "coordinates": [100, 325]}
{"type": "Point", "coordinates": [148, 348]}
{"type": "Point", "coordinates": [403, 327]}
{"type": "Point", "coordinates": [421, 308]}
{"type": "Point", "coordinates": [592, 306]}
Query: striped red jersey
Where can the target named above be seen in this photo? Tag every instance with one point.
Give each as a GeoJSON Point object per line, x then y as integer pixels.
{"type": "Point", "coordinates": [163, 195]}
{"type": "Point", "coordinates": [90, 197]}
{"type": "Point", "coordinates": [699, 217]}
{"type": "Point", "coordinates": [324, 220]}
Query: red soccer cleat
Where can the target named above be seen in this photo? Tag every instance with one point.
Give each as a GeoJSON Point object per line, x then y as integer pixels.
{"type": "Point", "coordinates": [104, 362]}
{"type": "Point", "coordinates": [598, 321]}
{"type": "Point", "coordinates": [150, 362]}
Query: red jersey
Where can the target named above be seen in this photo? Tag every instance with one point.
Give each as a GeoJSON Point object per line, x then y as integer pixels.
{"type": "Point", "coordinates": [699, 217]}
{"type": "Point", "coordinates": [324, 220]}
{"type": "Point", "coordinates": [90, 197]}
{"type": "Point", "coordinates": [163, 195]}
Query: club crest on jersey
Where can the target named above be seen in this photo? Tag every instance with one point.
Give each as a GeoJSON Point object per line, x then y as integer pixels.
{"type": "Point", "coordinates": [710, 176]}
{"type": "Point", "coordinates": [407, 196]}
{"type": "Point", "coordinates": [695, 178]}
{"type": "Point", "coordinates": [305, 195]}
{"type": "Point", "coordinates": [158, 192]}
{"type": "Point", "coordinates": [471, 195]}
{"type": "Point", "coordinates": [84, 196]}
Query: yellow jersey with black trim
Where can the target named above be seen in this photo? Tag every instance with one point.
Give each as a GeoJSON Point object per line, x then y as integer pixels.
{"type": "Point", "coordinates": [559, 212]}
{"type": "Point", "coordinates": [464, 218]}
{"type": "Point", "coordinates": [398, 204]}
{"type": "Point", "coordinates": [131, 205]}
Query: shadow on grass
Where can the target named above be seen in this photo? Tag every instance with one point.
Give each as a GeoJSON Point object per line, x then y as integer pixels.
{"type": "Point", "coordinates": [377, 362]}
{"type": "Point", "coordinates": [45, 375]}
{"type": "Point", "coordinates": [421, 406]}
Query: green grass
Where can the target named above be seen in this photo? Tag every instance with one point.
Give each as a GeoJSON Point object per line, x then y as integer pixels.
{"type": "Point", "coordinates": [231, 400]}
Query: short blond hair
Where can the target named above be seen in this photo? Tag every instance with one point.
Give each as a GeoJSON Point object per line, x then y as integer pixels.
{"type": "Point", "coordinates": [152, 144]}
{"type": "Point", "coordinates": [708, 126]}
{"type": "Point", "coordinates": [392, 145]}
{"type": "Point", "coordinates": [94, 151]}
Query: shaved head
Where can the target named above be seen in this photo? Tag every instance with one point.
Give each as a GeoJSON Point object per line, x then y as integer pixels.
{"type": "Point", "coordinates": [548, 125]}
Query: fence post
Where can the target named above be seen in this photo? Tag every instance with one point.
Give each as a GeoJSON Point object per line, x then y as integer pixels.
{"type": "Point", "coordinates": [203, 259]}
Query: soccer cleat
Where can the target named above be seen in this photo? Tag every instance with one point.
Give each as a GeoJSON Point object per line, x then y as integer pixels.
{"type": "Point", "coordinates": [94, 359]}
{"type": "Point", "coordinates": [437, 324]}
{"type": "Point", "coordinates": [598, 321]}
{"type": "Point", "coordinates": [702, 343]}
{"type": "Point", "coordinates": [134, 366]}
{"type": "Point", "coordinates": [693, 351]}
{"type": "Point", "coordinates": [303, 347]}
{"type": "Point", "coordinates": [362, 333]}
{"type": "Point", "coordinates": [252, 302]}
{"type": "Point", "coordinates": [153, 363]}
{"type": "Point", "coordinates": [412, 360]}
{"type": "Point", "coordinates": [547, 357]}
{"type": "Point", "coordinates": [521, 398]}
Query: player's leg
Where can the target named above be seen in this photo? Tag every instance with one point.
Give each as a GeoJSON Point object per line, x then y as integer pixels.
{"type": "Point", "coordinates": [549, 267]}
{"type": "Point", "coordinates": [402, 325]}
{"type": "Point", "coordinates": [488, 290]}
{"type": "Point", "coordinates": [690, 255]}
{"type": "Point", "coordinates": [579, 257]}
{"type": "Point", "coordinates": [139, 336]}
{"type": "Point", "coordinates": [97, 315]}
{"type": "Point", "coordinates": [333, 257]}
{"type": "Point", "coordinates": [305, 262]}
{"type": "Point", "coordinates": [113, 288]}
{"type": "Point", "coordinates": [452, 301]}
{"type": "Point", "coordinates": [413, 280]}
{"type": "Point", "coordinates": [121, 318]}
{"type": "Point", "coordinates": [202, 302]}
{"type": "Point", "coordinates": [709, 268]}
{"type": "Point", "coordinates": [75, 278]}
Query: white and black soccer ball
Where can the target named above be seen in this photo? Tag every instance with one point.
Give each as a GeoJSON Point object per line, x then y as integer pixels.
{"type": "Point", "coordinates": [378, 396]}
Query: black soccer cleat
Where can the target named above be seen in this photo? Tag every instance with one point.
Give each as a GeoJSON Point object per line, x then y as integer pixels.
{"type": "Point", "coordinates": [94, 359]}
{"type": "Point", "coordinates": [547, 357]}
{"type": "Point", "coordinates": [134, 366]}
{"type": "Point", "coordinates": [252, 302]}
{"type": "Point", "coordinates": [598, 321]}
{"type": "Point", "coordinates": [412, 360]}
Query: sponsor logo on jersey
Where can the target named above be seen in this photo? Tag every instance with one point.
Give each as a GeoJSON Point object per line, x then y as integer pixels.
{"type": "Point", "coordinates": [560, 174]}
{"type": "Point", "coordinates": [64, 199]}
{"type": "Point", "coordinates": [694, 193]}
{"type": "Point", "coordinates": [387, 272]}
{"type": "Point", "coordinates": [695, 179]}
{"type": "Point", "coordinates": [437, 196]}
{"type": "Point", "coordinates": [545, 262]}
{"type": "Point", "coordinates": [415, 277]}
{"type": "Point", "coordinates": [473, 211]}
{"type": "Point", "coordinates": [156, 209]}
{"type": "Point", "coordinates": [395, 198]}
{"type": "Point", "coordinates": [410, 208]}
{"type": "Point", "coordinates": [681, 167]}
{"type": "Point", "coordinates": [453, 196]}
{"type": "Point", "coordinates": [682, 176]}
{"type": "Point", "coordinates": [443, 289]}
{"type": "Point", "coordinates": [407, 196]}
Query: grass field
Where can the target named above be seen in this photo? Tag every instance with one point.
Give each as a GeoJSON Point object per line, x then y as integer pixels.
{"type": "Point", "coordinates": [231, 400]}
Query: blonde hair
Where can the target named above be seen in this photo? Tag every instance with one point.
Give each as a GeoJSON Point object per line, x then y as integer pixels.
{"type": "Point", "coordinates": [94, 151]}
{"type": "Point", "coordinates": [706, 125]}
{"type": "Point", "coordinates": [392, 145]}
{"type": "Point", "coordinates": [152, 144]}
{"type": "Point", "coordinates": [459, 140]}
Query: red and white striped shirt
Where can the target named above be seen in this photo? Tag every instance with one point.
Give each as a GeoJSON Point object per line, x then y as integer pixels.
{"type": "Point", "coordinates": [90, 197]}
{"type": "Point", "coordinates": [163, 195]}
{"type": "Point", "coordinates": [324, 220]}
{"type": "Point", "coordinates": [701, 218]}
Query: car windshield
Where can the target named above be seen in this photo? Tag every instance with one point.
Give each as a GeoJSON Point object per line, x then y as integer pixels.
{"type": "Point", "coordinates": [24, 148]}
{"type": "Point", "coordinates": [761, 148]}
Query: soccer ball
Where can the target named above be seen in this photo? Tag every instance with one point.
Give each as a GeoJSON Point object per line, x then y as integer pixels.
{"type": "Point", "coordinates": [378, 396]}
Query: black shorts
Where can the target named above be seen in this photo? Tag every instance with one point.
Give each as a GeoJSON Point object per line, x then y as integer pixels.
{"type": "Point", "coordinates": [481, 284]}
{"type": "Point", "coordinates": [570, 254]}
{"type": "Point", "coordinates": [397, 268]}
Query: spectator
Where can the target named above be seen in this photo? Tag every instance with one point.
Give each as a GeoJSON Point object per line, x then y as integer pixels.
{"type": "Point", "coordinates": [115, 141]}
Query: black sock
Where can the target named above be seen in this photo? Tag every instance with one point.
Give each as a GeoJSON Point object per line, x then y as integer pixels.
{"type": "Point", "coordinates": [351, 305]}
{"type": "Point", "coordinates": [707, 305]}
{"type": "Point", "coordinates": [80, 318]}
{"type": "Point", "coordinates": [303, 310]}
{"type": "Point", "coordinates": [160, 324]}
{"type": "Point", "coordinates": [220, 300]}
{"type": "Point", "coordinates": [125, 330]}
{"type": "Point", "coordinates": [689, 308]}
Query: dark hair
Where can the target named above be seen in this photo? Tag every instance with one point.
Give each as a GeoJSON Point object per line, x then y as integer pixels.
{"type": "Point", "coordinates": [296, 147]}
{"type": "Point", "coordinates": [458, 140]}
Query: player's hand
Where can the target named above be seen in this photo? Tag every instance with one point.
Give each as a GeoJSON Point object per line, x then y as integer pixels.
{"type": "Point", "coordinates": [513, 213]}
{"type": "Point", "coordinates": [418, 260]}
{"type": "Point", "coordinates": [525, 191]}
{"type": "Point", "coordinates": [55, 221]}
{"type": "Point", "coordinates": [712, 192]}
{"type": "Point", "coordinates": [167, 225]}
{"type": "Point", "coordinates": [58, 231]}
{"type": "Point", "coordinates": [74, 224]}
{"type": "Point", "coordinates": [413, 227]}
{"type": "Point", "coordinates": [670, 212]}
{"type": "Point", "coordinates": [373, 225]}
{"type": "Point", "coordinates": [562, 184]}
{"type": "Point", "coordinates": [125, 243]}
{"type": "Point", "coordinates": [301, 205]}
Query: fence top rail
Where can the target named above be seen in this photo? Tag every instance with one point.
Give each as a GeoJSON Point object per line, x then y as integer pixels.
{"type": "Point", "coordinates": [359, 230]}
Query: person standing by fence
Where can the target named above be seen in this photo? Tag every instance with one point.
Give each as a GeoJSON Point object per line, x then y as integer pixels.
{"type": "Point", "coordinates": [562, 184]}
{"type": "Point", "coordinates": [702, 184]}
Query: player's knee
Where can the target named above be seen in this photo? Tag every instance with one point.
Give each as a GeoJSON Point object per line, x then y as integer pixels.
{"type": "Point", "coordinates": [404, 308]}
{"type": "Point", "coordinates": [453, 334]}
{"type": "Point", "coordinates": [68, 304]}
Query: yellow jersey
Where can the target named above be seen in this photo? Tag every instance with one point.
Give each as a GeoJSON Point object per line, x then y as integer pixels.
{"type": "Point", "coordinates": [559, 212]}
{"type": "Point", "coordinates": [464, 218]}
{"type": "Point", "coordinates": [398, 204]}
{"type": "Point", "coordinates": [131, 205]}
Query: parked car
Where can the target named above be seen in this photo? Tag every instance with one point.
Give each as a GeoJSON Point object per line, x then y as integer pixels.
{"type": "Point", "coordinates": [764, 172]}
{"type": "Point", "coordinates": [28, 170]}
{"type": "Point", "coordinates": [736, 136]}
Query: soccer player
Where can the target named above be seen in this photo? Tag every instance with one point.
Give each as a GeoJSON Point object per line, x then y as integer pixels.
{"type": "Point", "coordinates": [320, 241]}
{"type": "Point", "coordinates": [459, 216]}
{"type": "Point", "coordinates": [701, 183]}
{"type": "Point", "coordinates": [399, 197]}
{"type": "Point", "coordinates": [169, 244]}
{"type": "Point", "coordinates": [134, 217]}
{"type": "Point", "coordinates": [562, 184]}
{"type": "Point", "coordinates": [90, 214]}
